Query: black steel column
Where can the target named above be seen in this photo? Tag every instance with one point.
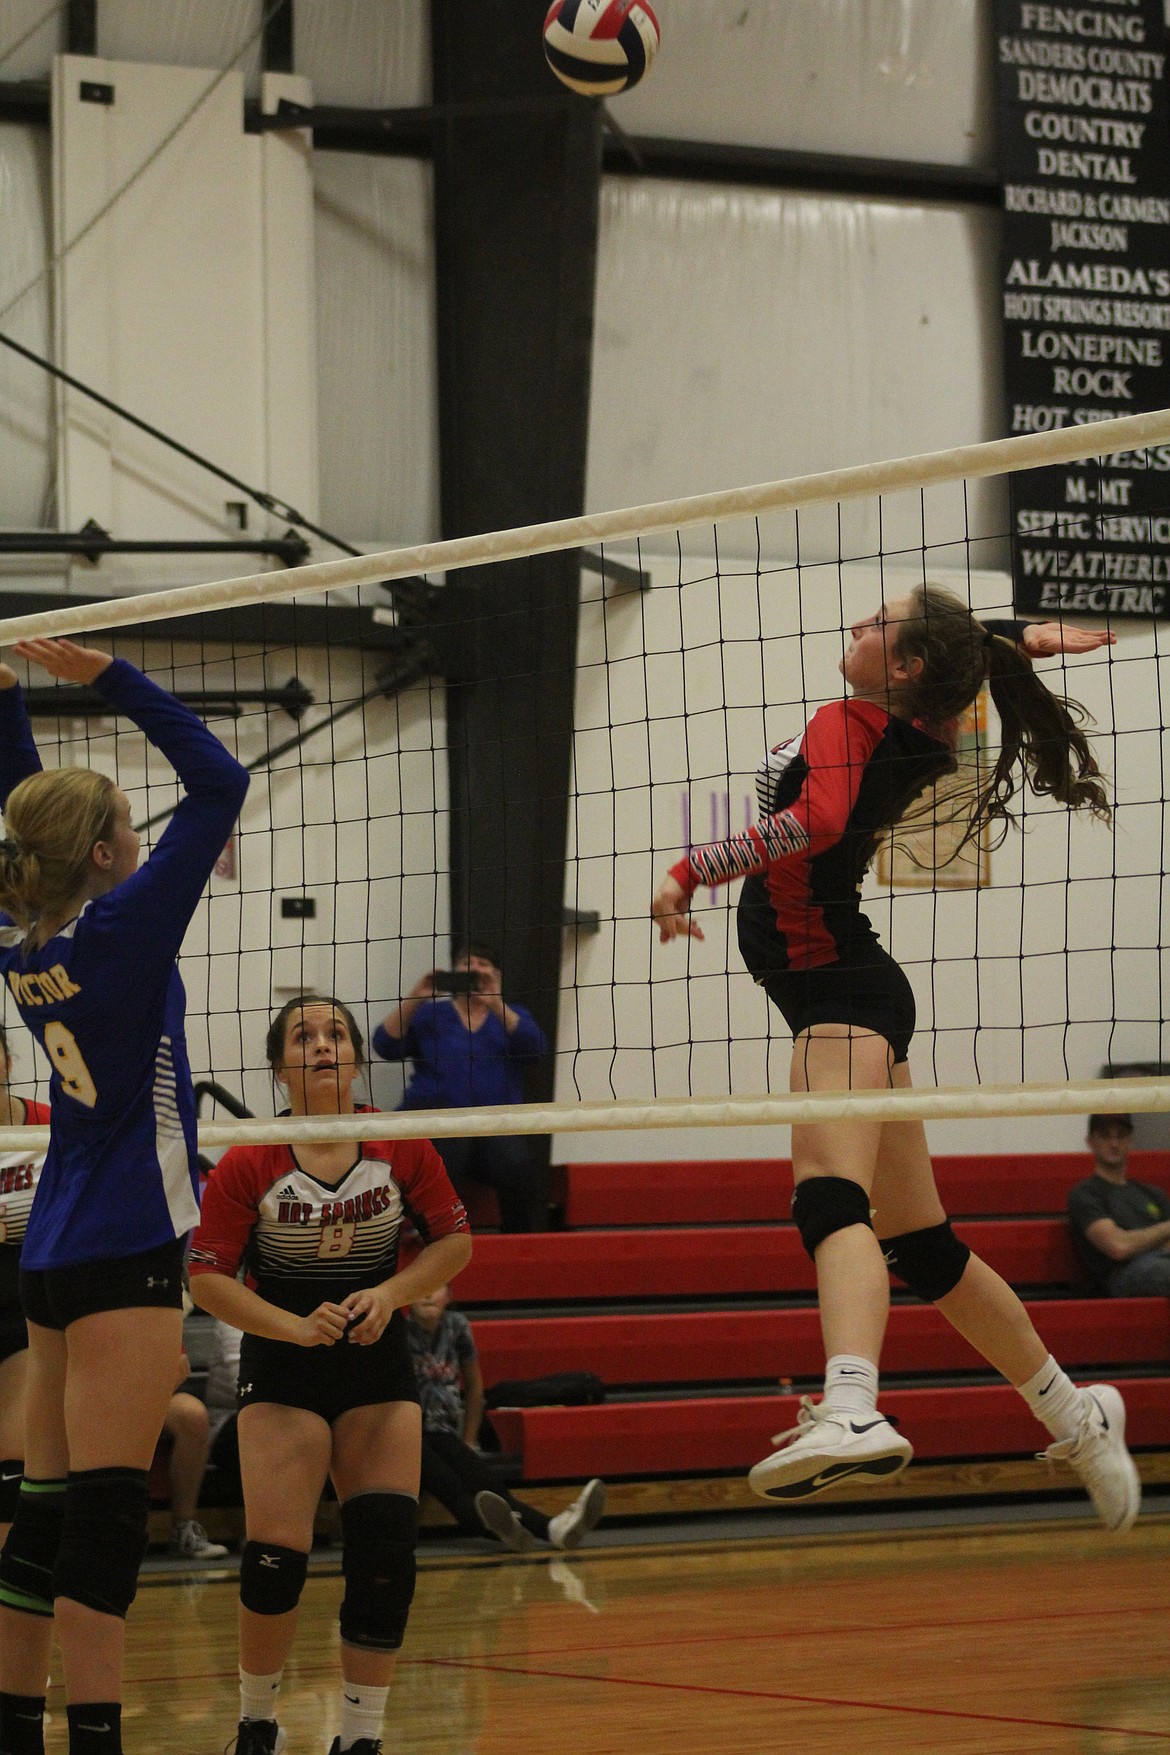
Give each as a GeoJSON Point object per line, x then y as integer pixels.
{"type": "Point", "coordinates": [516, 210]}
{"type": "Point", "coordinates": [81, 27]}
{"type": "Point", "coordinates": [278, 40]}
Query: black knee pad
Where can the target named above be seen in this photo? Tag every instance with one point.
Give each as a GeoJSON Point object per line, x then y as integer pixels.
{"type": "Point", "coordinates": [30, 1553]}
{"type": "Point", "coordinates": [104, 1540]}
{"type": "Point", "coordinates": [11, 1473]}
{"type": "Point", "coordinates": [824, 1204]}
{"type": "Point", "coordinates": [931, 1261]}
{"type": "Point", "coordinates": [271, 1577]}
{"type": "Point", "coordinates": [378, 1532]}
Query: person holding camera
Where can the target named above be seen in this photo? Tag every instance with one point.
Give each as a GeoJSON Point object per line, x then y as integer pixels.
{"type": "Point", "coordinates": [470, 1047]}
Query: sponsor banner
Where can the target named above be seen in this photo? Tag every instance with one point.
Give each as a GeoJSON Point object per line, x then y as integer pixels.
{"type": "Point", "coordinates": [1085, 161]}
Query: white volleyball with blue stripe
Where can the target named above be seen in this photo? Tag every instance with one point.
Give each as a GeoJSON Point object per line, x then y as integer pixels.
{"type": "Point", "coordinates": [599, 47]}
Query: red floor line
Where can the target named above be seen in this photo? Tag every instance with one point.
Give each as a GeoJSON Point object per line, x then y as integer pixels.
{"type": "Point", "coordinates": [844, 1630]}
{"type": "Point", "coordinates": [993, 1718]}
{"type": "Point", "coordinates": [785, 1633]}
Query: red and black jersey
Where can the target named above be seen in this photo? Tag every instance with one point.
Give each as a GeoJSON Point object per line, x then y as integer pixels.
{"type": "Point", "coordinates": [827, 796]}
{"type": "Point", "coordinates": [304, 1241]}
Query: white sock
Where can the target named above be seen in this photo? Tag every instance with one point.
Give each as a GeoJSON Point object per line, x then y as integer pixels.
{"type": "Point", "coordinates": [851, 1384]}
{"type": "Point", "coordinates": [258, 1694]}
{"type": "Point", "coordinates": [363, 1708]}
{"type": "Point", "coordinates": [1054, 1399]}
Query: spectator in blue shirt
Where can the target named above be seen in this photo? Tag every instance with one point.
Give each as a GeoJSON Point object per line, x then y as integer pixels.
{"type": "Point", "coordinates": [470, 1051]}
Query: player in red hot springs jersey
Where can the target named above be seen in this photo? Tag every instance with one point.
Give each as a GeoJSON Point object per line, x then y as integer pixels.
{"type": "Point", "coordinates": [19, 1171]}
{"type": "Point", "coordinates": [827, 797]}
{"type": "Point", "coordinates": [326, 1383]}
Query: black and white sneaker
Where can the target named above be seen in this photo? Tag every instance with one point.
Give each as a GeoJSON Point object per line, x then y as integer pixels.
{"type": "Point", "coordinates": [828, 1445]}
{"type": "Point", "coordinates": [498, 1518]}
{"type": "Point", "coordinates": [363, 1746]}
{"type": "Point", "coordinates": [259, 1736]}
{"type": "Point", "coordinates": [1099, 1456]}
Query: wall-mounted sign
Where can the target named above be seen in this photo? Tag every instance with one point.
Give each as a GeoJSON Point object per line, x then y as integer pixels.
{"type": "Point", "coordinates": [1085, 161]}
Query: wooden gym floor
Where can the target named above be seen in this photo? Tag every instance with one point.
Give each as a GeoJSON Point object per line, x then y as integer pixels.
{"type": "Point", "coordinates": [1038, 1640]}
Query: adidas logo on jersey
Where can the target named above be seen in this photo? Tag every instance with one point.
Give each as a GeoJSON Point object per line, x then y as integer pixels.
{"type": "Point", "coordinates": [288, 1192]}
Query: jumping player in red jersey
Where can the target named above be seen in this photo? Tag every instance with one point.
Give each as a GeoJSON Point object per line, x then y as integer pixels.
{"type": "Point", "coordinates": [326, 1382]}
{"type": "Point", "coordinates": [88, 942]}
{"type": "Point", "coordinates": [19, 1172]}
{"type": "Point", "coordinates": [827, 797]}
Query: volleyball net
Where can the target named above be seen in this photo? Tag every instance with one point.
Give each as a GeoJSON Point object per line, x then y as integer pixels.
{"type": "Point", "coordinates": [380, 830]}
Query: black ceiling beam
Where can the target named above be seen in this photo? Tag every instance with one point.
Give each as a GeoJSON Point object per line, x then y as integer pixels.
{"type": "Point", "coordinates": [92, 543]}
{"type": "Point", "coordinates": [410, 133]}
{"type": "Point", "coordinates": [69, 702]}
{"type": "Point", "coordinates": [706, 161]}
{"type": "Point", "coordinates": [262, 624]}
{"type": "Point", "coordinates": [25, 100]}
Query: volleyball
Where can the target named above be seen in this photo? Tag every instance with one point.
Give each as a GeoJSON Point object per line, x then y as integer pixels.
{"type": "Point", "coordinates": [599, 47]}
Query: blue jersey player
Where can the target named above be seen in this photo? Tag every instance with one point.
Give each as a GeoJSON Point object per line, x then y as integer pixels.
{"type": "Point", "coordinates": [88, 942]}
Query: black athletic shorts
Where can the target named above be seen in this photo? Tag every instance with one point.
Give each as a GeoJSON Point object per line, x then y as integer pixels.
{"type": "Point", "coordinates": [153, 1280]}
{"type": "Point", "coordinates": [13, 1328]}
{"type": "Point", "coordinates": [328, 1380]}
{"type": "Point", "coordinates": [871, 992]}
{"type": "Point", "coordinates": [13, 1332]}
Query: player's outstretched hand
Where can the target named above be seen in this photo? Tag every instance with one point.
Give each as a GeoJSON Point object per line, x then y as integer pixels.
{"type": "Point", "coordinates": [61, 658]}
{"type": "Point", "coordinates": [324, 1327]}
{"type": "Point", "coordinates": [367, 1312]}
{"type": "Point", "coordinates": [671, 908]}
{"type": "Point", "coordinates": [8, 677]}
{"type": "Point", "coordinates": [1046, 639]}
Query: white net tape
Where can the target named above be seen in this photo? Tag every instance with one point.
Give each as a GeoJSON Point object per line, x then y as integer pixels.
{"type": "Point", "coordinates": [864, 481]}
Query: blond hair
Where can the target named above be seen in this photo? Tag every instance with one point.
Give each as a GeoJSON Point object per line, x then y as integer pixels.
{"type": "Point", "coordinates": [54, 820]}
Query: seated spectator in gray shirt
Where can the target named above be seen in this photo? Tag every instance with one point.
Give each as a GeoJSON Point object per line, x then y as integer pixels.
{"type": "Point", "coordinates": [1121, 1228]}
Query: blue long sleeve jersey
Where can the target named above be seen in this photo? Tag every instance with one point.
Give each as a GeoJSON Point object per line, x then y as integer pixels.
{"type": "Point", "coordinates": [104, 999]}
{"type": "Point", "coordinates": [458, 1068]}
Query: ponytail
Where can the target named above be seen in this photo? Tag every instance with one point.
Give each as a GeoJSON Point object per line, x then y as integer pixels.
{"type": "Point", "coordinates": [1039, 730]}
{"type": "Point", "coordinates": [20, 882]}
{"type": "Point", "coordinates": [1040, 733]}
{"type": "Point", "coordinates": [54, 820]}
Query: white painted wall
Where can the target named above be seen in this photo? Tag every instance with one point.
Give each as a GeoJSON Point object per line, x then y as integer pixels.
{"type": "Point", "coordinates": [744, 335]}
{"type": "Point", "coordinates": [188, 298]}
{"type": "Point", "coordinates": [899, 79]}
{"type": "Point", "coordinates": [26, 402]}
{"type": "Point", "coordinates": [377, 367]}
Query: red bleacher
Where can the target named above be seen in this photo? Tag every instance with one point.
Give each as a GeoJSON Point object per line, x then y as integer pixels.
{"type": "Point", "coordinates": [701, 1234]}
{"type": "Point", "coordinates": [759, 1191]}
{"type": "Point", "coordinates": [729, 1346]}
{"type": "Point", "coordinates": [555, 1266]}
{"type": "Point", "coordinates": [722, 1432]}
